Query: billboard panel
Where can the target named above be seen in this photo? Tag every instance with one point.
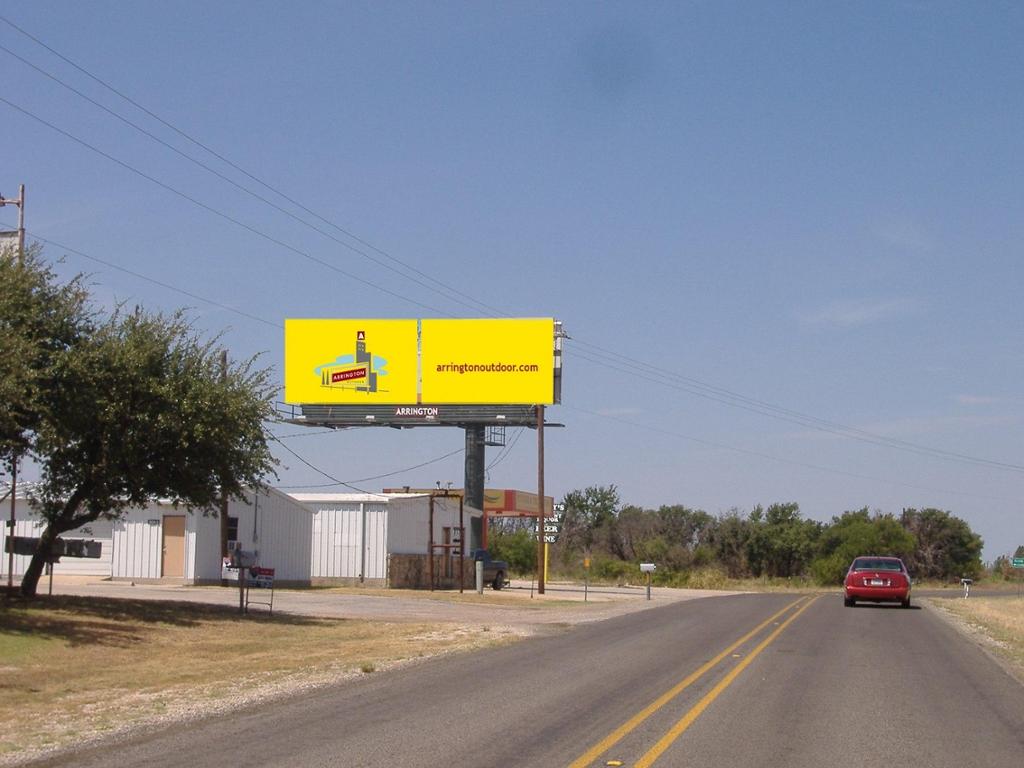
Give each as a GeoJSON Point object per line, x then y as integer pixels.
{"type": "Point", "coordinates": [498, 502]}
{"type": "Point", "coordinates": [488, 361]}
{"type": "Point", "coordinates": [350, 361]}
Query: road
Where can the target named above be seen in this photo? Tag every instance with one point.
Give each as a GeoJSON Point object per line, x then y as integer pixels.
{"type": "Point", "coordinates": [746, 680]}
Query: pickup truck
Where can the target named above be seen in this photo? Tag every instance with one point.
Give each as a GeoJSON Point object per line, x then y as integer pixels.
{"type": "Point", "coordinates": [495, 571]}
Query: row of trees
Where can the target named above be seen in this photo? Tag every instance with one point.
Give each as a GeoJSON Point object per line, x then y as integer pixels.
{"type": "Point", "coordinates": [118, 408]}
{"type": "Point", "coordinates": [774, 542]}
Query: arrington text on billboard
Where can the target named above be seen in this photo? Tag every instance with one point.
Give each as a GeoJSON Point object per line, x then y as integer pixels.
{"type": "Point", "coordinates": [487, 368]}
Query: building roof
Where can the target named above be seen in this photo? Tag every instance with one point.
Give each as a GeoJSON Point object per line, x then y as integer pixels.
{"type": "Point", "coordinates": [339, 498]}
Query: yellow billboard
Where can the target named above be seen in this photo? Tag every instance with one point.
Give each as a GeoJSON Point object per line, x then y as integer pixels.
{"type": "Point", "coordinates": [354, 362]}
{"type": "Point", "coordinates": [492, 361]}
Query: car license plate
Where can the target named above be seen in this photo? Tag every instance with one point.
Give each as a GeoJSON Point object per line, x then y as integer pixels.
{"type": "Point", "coordinates": [877, 583]}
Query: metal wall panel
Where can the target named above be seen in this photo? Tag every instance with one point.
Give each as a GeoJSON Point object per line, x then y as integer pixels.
{"type": "Point", "coordinates": [376, 540]}
{"type": "Point", "coordinates": [137, 545]}
{"type": "Point", "coordinates": [202, 547]}
{"type": "Point", "coordinates": [28, 523]}
{"type": "Point", "coordinates": [280, 529]}
{"type": "Point", "coordinates": [337, 539]}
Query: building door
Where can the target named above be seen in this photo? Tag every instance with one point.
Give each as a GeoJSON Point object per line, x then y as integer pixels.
{"type": "Point", "coordinates": [174, 547]}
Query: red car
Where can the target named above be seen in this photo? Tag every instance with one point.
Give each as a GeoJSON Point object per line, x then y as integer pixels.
{"type": "Point", "coordinates": [877, 580]}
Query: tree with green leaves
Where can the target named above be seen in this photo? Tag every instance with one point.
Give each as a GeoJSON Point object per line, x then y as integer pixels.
{"type": "Point", "coordinates": [782, 543]}
{"type": "Point", "coordinates": [40, 320]}
{"type": "Point", "coordinates": [587, 518]}
{"type": "Point", "coordinates": [946, 545]}
{"type": "Point", "coordinates": [859, 533]}
{"type": "Point", "coordinates": [129, 409]}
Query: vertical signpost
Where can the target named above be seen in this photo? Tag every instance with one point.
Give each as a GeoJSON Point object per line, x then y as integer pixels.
{"type": "Point", "coordinates": [648, 568]}
{"type": "Point", "coordinates": [586, 577]}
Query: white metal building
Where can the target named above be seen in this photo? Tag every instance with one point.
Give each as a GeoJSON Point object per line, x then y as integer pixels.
{"type": "Point", "coordinates": [353, 534]}
{"type": "Point", "coordinates": [165, 542]}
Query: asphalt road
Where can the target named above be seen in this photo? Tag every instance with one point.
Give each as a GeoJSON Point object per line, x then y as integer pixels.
{"type": "Point", "coordinates": [747, 680]}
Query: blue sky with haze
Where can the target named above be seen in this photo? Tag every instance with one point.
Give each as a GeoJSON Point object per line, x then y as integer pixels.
{"type": "Point", "coordinates": [815, 205]}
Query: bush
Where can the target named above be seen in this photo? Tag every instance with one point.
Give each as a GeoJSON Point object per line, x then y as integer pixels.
{"type": "Point", "coordinates": [518, 549]}
{"type": "Point", "coordinates": [830, 570]}
{"type": "Point", "coordinates": [612, 569]}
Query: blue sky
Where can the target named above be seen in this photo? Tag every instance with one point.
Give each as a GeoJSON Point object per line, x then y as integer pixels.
{"type": "Point", "coordinates": [814, 205]}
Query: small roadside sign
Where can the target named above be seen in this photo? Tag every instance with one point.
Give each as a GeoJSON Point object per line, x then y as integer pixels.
{"type": "Point", "coordinates": [1018, 562]}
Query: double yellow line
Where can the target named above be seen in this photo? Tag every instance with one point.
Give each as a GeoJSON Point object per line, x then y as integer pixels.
{"type": "Point", "coordinates": [677, 730]}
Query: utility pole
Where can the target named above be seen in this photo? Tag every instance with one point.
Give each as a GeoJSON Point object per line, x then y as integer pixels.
{"type": "Point", "coordinates": [541, 545]}
{"type": "Point", "coordinates": [223, 493]}
{"type": "Point", "coordinates": [20, 202]}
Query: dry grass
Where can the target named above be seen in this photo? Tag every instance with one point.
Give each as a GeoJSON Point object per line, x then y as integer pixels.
{"type": "Point", "coordinates": [999, 619]}
{"type": "Point", "coordinates": [73, 669]}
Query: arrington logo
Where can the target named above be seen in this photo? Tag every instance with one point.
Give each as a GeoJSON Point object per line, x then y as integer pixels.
{"type": "Point", "coordinates": [426, 411]}
{"type": "Point", "coordinates": [359, 371]}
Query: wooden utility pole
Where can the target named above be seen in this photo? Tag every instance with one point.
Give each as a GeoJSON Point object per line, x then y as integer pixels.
{"type": "Point", "coordinates": [20, 202]}
{"type": "Point", "coordinates": [540, 496]}
{"type": "Point", "coordinates": [223, 493]}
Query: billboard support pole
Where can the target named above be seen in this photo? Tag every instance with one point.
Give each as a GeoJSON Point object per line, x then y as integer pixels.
{"type": "Point", "coordinates": [474, 466]}
{"type": "Point", "coordinates": [540, 497]}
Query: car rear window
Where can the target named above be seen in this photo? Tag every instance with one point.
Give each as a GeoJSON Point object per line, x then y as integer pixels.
{"type": "Point", "coordinates": [875, 564]}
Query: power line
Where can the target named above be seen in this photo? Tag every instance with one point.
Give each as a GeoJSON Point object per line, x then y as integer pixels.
{"type": "Point", "coordinates": [793, 462]}
{"type": "Point", "coordinates": [154, 281]}
{"type": "Point", "coordinates": [410, 469]}
{"type": "Point", "coordinates": [682, 383]}
{"type": "Point", "coordinates": [316, 469]}
{"type": "Point", "coordinates": [350, 484]}
{"type": "Point", "coordinates": [233, 165]}
{"type": "Point", "coordinates": [611, 361]}
{"type": "Point", "coordinates": [506, 451]}
{"type": "Point", "coordinates": [225, 178]}
{"type": "Point", "coordinates": [220, 214]}
{"type": "Point", "coordinates": [310, 433]}
{"type": "Point", "coordinates": [674, 381]}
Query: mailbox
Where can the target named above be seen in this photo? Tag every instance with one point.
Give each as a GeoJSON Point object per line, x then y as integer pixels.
{"type": "Point", "coordinates": [648, 567]}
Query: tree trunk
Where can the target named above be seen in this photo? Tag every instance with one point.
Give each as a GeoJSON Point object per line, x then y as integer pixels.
{"type": "Point", "coordinates": [65, 521]}
{"type": "Point", "coordinates": [30, 581]}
